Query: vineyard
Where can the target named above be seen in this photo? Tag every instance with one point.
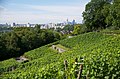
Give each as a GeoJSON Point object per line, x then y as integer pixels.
{"type": "Point", "coordinates": [98, 53]}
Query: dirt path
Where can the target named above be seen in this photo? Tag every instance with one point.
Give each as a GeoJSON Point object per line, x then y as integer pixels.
{"type": "Point", "coordinates": [57, 48]}
{"type": "Point", "coordinates": [21, 59]}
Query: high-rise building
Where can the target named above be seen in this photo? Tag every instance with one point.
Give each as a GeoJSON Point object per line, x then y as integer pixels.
{"type": "Point", "coordinates": [13, 24]}
{"type": "Point", "coordinates": [73, 22]}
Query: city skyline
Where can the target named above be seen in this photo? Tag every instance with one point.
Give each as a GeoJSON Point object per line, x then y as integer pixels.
{"type": "Point", "coordinates": [44, 11]}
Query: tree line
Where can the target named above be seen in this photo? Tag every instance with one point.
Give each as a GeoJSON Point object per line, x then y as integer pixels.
{"type": "Point", "coordinates": [23, 39]}
{"type": "Point", "coordinates": [101, 14]}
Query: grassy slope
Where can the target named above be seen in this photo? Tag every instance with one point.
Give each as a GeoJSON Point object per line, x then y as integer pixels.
{"type": "Point", "coordinates": [82, 45]}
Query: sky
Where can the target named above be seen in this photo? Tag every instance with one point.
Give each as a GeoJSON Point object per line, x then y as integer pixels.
{"type": "Point", "coordinates": [41, 11]}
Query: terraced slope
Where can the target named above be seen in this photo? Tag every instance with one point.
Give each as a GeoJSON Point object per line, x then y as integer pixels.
{"type": "Point", "coordinates": [101, 54]}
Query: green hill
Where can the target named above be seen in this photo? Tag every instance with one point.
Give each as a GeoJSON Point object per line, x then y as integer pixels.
{"type": "Point", "coordinates": [99, 53]}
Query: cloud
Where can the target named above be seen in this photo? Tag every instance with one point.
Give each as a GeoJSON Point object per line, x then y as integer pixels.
{"type": "Point", "coordinates": [43, 14]}
{"type": "Point", "coordinates": [36, 18]}
{"type": "Point", "coordinates": [59, 9]}
{"type": "Point", "coordinates": [2, 8]}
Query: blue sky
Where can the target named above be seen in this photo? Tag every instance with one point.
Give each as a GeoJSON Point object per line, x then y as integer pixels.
{"type": "Point", "coordinates": [41, 11]}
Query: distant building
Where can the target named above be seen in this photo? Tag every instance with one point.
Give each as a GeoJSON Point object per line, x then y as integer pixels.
{"type": "Point", "coordinates": [43, 26]}
{"type": "Point", "coordinates": [73, 22]}
{"type": "Point", "coordinates": [52, 25]}
{"type": "Point", "coordinates": [13, 24]}
{"type": "Point", "coordinates": [32, 25]}
{"type": "Point", "coordinates": [22, 25]}
{"type": "Point", "coordinates": [28, 25]}
{"type": "Point", "coordinates": [60, 25]}
{"type": "Point", "coordinates": [70, 23]}
{"type": "Point", "coordinates": [5, 25]}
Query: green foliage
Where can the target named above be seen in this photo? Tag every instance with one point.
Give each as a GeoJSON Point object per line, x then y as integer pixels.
{"type": "Point", "coordinates": [115, 12]}
{"type": "Point", "coordinates": [58, 29]}
{"type": "Point", "coordinates": [110, 31]}
{"type": "Point", "coordinates": [100, 14]}
{"type": "Point", "coordinates": [11, 45]}
{"type": "Point", "coordinates": [37, 26]}
{"type": "Point", "coordinates": [23, 39]}
{"type": "Point", "coordinates": [68, 28]}
{"type": "Point", "coordinates": [101, 54]}
{"type": "Point", "coordinates": [2, 47]}
{"type": "Point", "coordinates": [6, 66]}
{"type": "Point", "coordinates": [79, 29]}
{"type": "Point", "coordinates": [103, 60]}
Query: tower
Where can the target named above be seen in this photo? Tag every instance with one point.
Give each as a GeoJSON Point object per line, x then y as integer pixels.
{"type": "Point", "coordinates": [73, 22]}
{"type": "Point", "coordinates": [67, 21]}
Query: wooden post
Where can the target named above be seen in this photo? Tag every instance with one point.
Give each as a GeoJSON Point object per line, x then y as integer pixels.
{"type": "Point", "coordinates": [76, 68]}
{"type": "Point", "coordinates": [65, 63]}
{"type": "Point", "coordinates": [87, 76]}
{"type": "Point", "coordinates": [80, 71]}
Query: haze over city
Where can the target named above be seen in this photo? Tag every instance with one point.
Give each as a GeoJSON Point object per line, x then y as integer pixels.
{"type": "Point", "coordinates": [41, 11]}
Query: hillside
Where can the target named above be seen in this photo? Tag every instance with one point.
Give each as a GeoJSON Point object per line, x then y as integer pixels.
{"type": "Point", "coordinates": [99, 53]}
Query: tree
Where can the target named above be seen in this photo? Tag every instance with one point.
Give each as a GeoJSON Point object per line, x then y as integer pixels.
{"type": "Point", "coordinates": [57, 36]}
{"type": "Point", "coordinates": [58, 29]}
{"type": "Point", "coordinates": [23, 39]}
{"type": "Point", "coordinates": [93, 17]}
{"type": "Point", "coordinates": [115, 12]}
{"type": "Point", "coordinates": [37, 26]}
{"type": "Point", "coordinates": [68, 28]}
{"type": "Point", "coordinates": [12, 44]}
{"type": "Point", "coordinates": [2, 49]}
{"type": "Point", "coordinates": [77, 29]}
